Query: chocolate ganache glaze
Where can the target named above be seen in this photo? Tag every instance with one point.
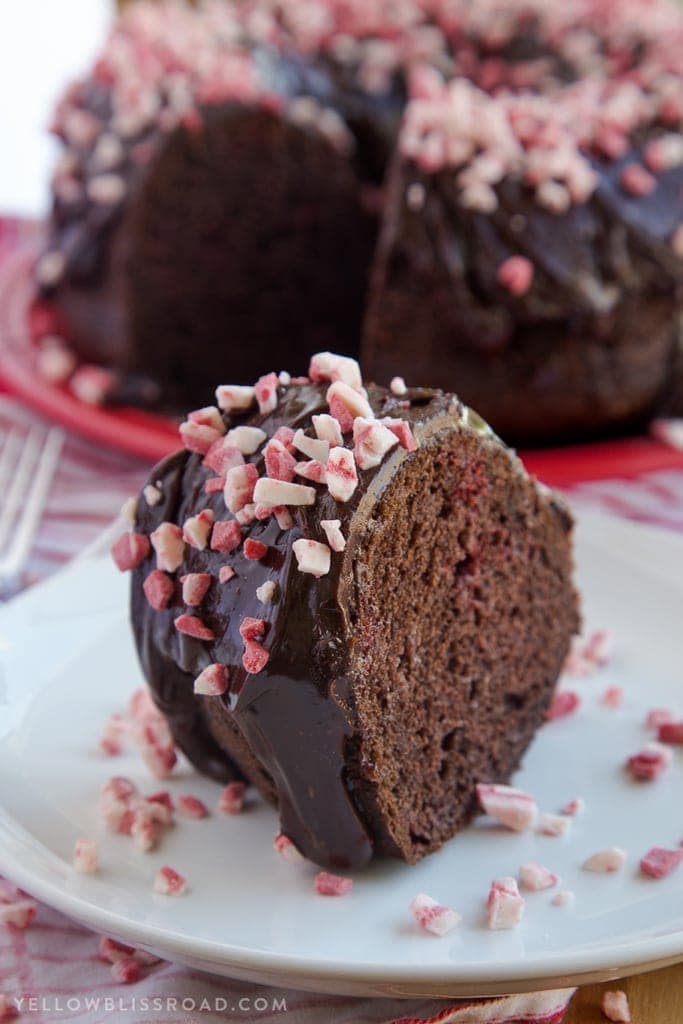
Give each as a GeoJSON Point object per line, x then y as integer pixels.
{"type": "Point", "coordinates": [297, 714]}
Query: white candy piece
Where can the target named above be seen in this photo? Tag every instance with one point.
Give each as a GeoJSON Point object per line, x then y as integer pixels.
{"type": "Point", "coordinates": [197, 528]}
{"type": "Point", "coordinates": [284, 846]}
{"type": "Point", "coordinates": [332, 529]}
{"type": "Point", "coordinates": [246, 439]}
{"type": "Point", "coordinates": [511, 807]}
{"type": "Point", "coordinates": [152, 495]}
{"type": "Point", "coordinates": [239, 486]}
{"type": "Point", "coordinates": [85, 856]}
{"type": "Point", "coordinates": [106, 189]}
{"type": "Point", "coordinates": [432, 916]}
{"type": "Point", "coordinates": [50, 268]}
{"type": "Point", "coordinates": [212, 681]}
{"type": "Point", "coordinates": [554, 824]}
{"type": "Point", "coordinates": [235, 397]}
{"type": "Point", "coordinates": [327, 429]}
{"type": "Point", "coordinates": [354, 403]}
{"type": "Point", "coordinates": [505, 906]}
{"type": "Point", "coordinates": [208, 416]}
{"type": "Point", "coordinates": [398, 387]}
{"type": "Point", "coordinates": [615, 1007]}
{"type": "Point", "coordinates": [328, 366]}
{"type": "Point", "coordinates": [563, 899]}
{"type": "Point", "coordinates": [342, 478]}
{"type": "Point", "coordinates": [169, 545]}
{"type": "Point", "coordinates": [312, 557]}
{"type": "Point", "coordinates": [535, 877]}
{"type": "Point", "coordinates": [129, 510]}
{"type": "Point", "coordinates": [313, 447]}
{"type": "Point", "coordinates": [606, 861]}
{"type": "Point", "coordinates": [280, 492]}
{"type": "Point", "coordinates": [266, 592]}
{"type": "Point", "coordinates": [371, 442]}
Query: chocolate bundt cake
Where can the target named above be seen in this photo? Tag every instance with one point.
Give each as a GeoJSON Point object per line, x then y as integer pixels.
{"type": "Point", "coordinates": [355, 599]}
{"type": "Point", "coordinates": [228, 169]}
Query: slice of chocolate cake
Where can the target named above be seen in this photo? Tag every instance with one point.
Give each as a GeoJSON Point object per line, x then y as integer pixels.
{"type": "Point", "coordinates": [355, 599]}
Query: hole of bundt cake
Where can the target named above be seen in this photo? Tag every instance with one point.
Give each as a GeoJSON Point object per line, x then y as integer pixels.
{"type": "Point", "coordinates": [450, 687]}
{"type": "Point", "coordinates": [248, 236]}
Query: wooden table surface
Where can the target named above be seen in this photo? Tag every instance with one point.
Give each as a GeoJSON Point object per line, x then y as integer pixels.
{"type": "Point", "coordinates": [655, 998]}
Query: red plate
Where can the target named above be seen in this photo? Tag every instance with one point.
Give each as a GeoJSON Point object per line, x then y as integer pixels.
{"type": "Point", "coordinates": [153, 436]}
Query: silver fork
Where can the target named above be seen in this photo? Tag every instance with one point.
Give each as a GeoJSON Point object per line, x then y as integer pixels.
{"type": "Point", "coordinates": [27, 467]}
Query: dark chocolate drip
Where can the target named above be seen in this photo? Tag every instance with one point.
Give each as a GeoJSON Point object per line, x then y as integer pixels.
{"type": "Point", "coordinates": [297, 714]}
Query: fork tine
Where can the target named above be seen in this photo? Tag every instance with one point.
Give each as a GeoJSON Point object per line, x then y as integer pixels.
{"type": "Point", "coordinates": [29, 519]}
{"type": "Point", "coordinates": [19, 484]}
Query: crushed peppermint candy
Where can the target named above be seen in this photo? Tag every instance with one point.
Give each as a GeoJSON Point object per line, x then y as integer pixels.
{"type": "Point", "coordinates": [535, 877]}
{"type": "Point", "coordinates": [85, 856]}
{"type": "Point", "coordinates": [327, 884]}
{"type": "Point", "coordinates": [246, 440]}
{"type": "Point", "coordinates": [286, 849]}
{"type": "Point", "coordinates": [516, 274]}
{"type": "Point", "coordinates": [267, 592]}
{"type": "Point", "coordinates": [614, 1005]}
{"type": "Point", "coordinates": [553, 824]}
{"type": "Point", "coordinates": [19, 914]}
{"type": "Point", "coordinates": [327, 429]}
{"type": "Point", "coordinates": [130, 550]}
{"type": "Point", "coordinates": [312, 557]}
{"type": "Point", "coordinates": [188, 806]}
{"type": "Point", "coordinates": [235, 397]}
{"type": "Point", "coordinates": [152, 494]}
{"type": "Point", "coordinates": [659, 862]}
{"type": "Point", "coordinates": [398, 387]}
{"type": "Point", "coordinates": [510, 807]}
{"type": "Point", "coordinates": [606, 861]}
{"type": "Point", "coordinates": [169, 882]}
{"type": "Point", "coordinates": [240, 482]}
{"type": "Point", "coordinates": [226, 573]}
{"type": "Point", "coordinates": [564, 703]}
{"type": "Point", "coordinates": [564, 898]}
{"type": "Point", "coordinates": [197, 528]}
{"type": "Point", "coordinates": [574, 807]}
{"type": "Point", "coordinates": [650, 763]}
{"type": "Point", "coordinates": [613, 697]}
{"type": "Point", "coordinates": [232, 798]}
{"type": "Point", "coordinates": [195, 586]}
{"type": "Point", "coordinates": [342, 478]}
{"type": "Point", "coordinates": [371, 442]}
{"type": "Point", "coordinates": [192, 625]}
{"type": "Point", "coordinates": [332, 530]}
{"type": "Point", "coordinates": [281, 492]}
{"type": "Point", "coordinates": [671, 732]}
{"type": "Point", "coordinates": [213, 681]}
{"type": "Point", "coordinates": [126, 971]}
{"type": "Point", "coordinates": [504, 905]}
{"type": "Point", "coordinates": [167, 541]}
{"type": "Point", "coordinates": [432, 916]}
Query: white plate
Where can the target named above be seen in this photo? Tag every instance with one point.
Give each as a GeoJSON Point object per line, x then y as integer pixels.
{"type": "Point", "coordinates": [67, 661]}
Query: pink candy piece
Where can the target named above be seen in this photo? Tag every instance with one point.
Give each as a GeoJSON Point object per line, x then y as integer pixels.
{"type": "Point", "coordinates": [240, 482]}
{"type": "Point", "coordinates": [615, 1007]}
{"type": "Point", "coordinates": [156, 746]}
{"type": "Point", "coordinates": [613, 697]}
{"type": "Point", "coordinates": [649, 763]}
{"type": "Point", "coordinates": [510, 807]}
{"type": "Point", "coordinates": [158, 589]}
{"type": "Point", "coordinates": [597, 650]}
{"type": "Point", "coordinates": [92, 384]}
{"type": "Point", "coordinates": [225, 573]}
{"type": "Point", "coordinates": [504, 906]}
{"type": "Point", "coordinates": [657, 717]}
{"type": "Point", "coordinates": [279, 461]}
{"type": "Point", "coordinates": [226, 536]}
{"type": "Point", "coordinates": [637, 181]}
{"type": "Point", "coordinates": [285, 434]}
{"type": "Point", "coordinates": [198, 437]}
{"type": "Point", "coordinates": [208, 416]}
{"type": "Point", "coordinates": [212, 681]}
{"type": "Point", "coordinates": [265, 390]}
{"type": "Point", "coordinates": [342, 478]}
{"type": "Point", "coordinates": [565, 702]}
{"type": "Point", "coordinates": [195, 586]}
{"type": "Point", "coordinates": [274, 493]}
{"type": "Point", "coordinates": [326, 366]}
{"type": "Point", "coordinates": [19, 914]}
{"type": "Point", "coordinates": [327, 429]}
{"type": "Point", "coordinates": [126, 971]}
{"type": "Point", "coordinates": [167, 541]}
{"type": "Point", "coordinates": [232, 798]}
{"type": "Point", "coordinates": [252, 629]}
{"type": "Point", "coordinates": [284, 517]}
{"type": "Point", "coordinates": [144, 828]}
{"type": "Point", "coordinates": [516, 274]}
{"type": "Point", "coordinates": [85, 856]}
{"type": "Point", "coordinates": [169, 883]}
{"type": "Point", "coordinates": [574, 807]}
{"type": "Point", "coordinates": [163, 799]}
{"type": "Point", "coordinates": [535, 877]}
{"type": "Point", "coordinates": [313, 470]}
{"type": "Point", "coordinates": [188, 806]}
{"type": "Point", "coordinates": [214, 485]}
{"type": "Point", "coordinates": [112, 951]}
{"type": "Point", "coordinates": [345, 404]}
{"type": "Point", "coordinates": [284, 846]}
{"type": "Point", "coordinates": [371, 442]}
{"type": "Point", "coordinates": [403, 431]}
{"type": "Point", "coordinates": [327, 884]}
{"type": "Point", "coordinates": [247, 439]}
{"type": "Point", "coordinates": [130, 550]}
{"type": "Point", "coordinates": [332, 531]}
{"type": "Point", "coordinates": [255, 550]}
{"type": "Point", "coordinates": [563, 899]}
{"type": "Point", "coordinates": [234, 397]}
{"type": "Point", "coordinates": [255, 657]}
{"type": "Point", "coordinates": [433, 917]}
{"type": "Point", "coordinates": [553, 824]}
{"type": "Point", "coordinates": [312, 557]}
{"type": "Point", "coordinates": [660, 862]}
{"type": "Point", "coordinates": [606, 861]}
{"type": "Point", "coordinates": [197, 528]}
{"type": "Point", "coordinates": [222, 456]}
{"type": "Point", "coordinates": [193, 626]}
{"type": "Point", "coordinates": [671, 732]}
